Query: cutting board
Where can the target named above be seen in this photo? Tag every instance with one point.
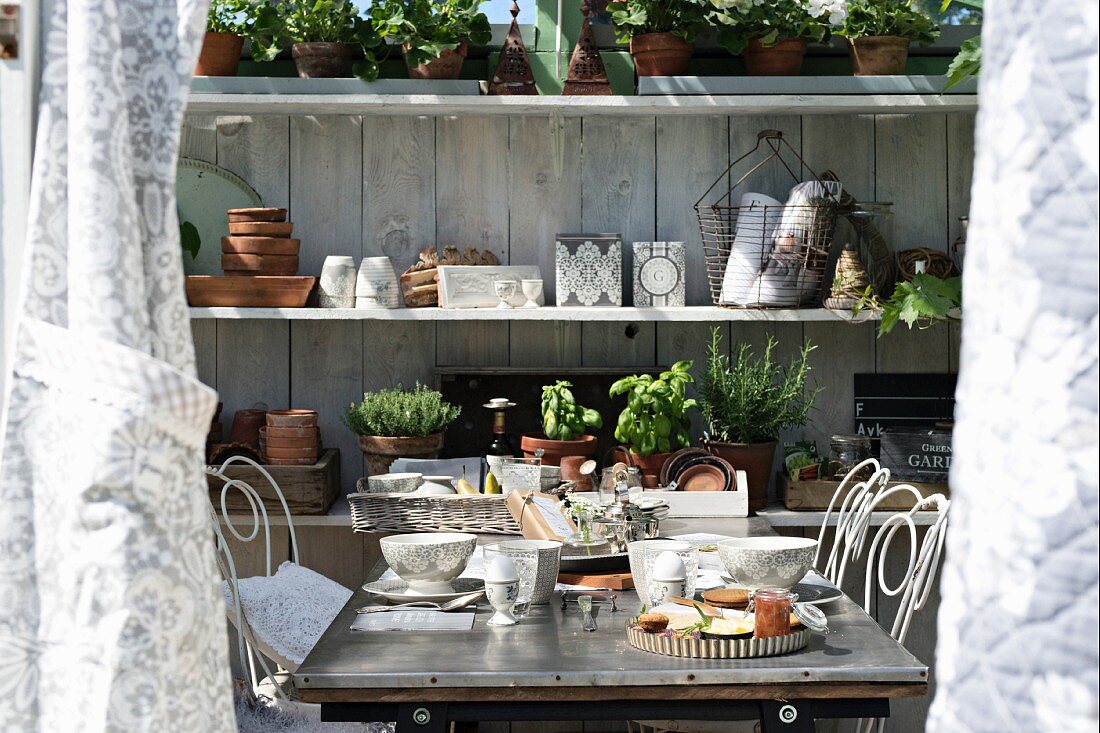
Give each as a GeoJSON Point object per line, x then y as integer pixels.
{"type": "Point", "coordinates": [615, 581]}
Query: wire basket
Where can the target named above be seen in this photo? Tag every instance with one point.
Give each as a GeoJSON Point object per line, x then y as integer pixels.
{"type": "Point", "coordinates": [482, 514]}
{"type": "Point", "coordinates": [761, 253]}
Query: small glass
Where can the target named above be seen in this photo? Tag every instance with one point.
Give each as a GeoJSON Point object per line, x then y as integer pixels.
{"type": "Point", "coordinates": [526, 561]}
{"type": "Point", "coordinates": [772, 608]}
{"type": "Point", "coordinates": [848, 451]}
{"type": "Point", "coordinates": [524, 474]}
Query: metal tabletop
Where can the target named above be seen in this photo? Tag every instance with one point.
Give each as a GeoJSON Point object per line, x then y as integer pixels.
{"type": "Point", "coordinates": [547, 658]}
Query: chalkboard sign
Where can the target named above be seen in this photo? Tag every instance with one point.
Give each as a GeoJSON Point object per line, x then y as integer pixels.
{"type": "Point", "coordinates": [884, 401]}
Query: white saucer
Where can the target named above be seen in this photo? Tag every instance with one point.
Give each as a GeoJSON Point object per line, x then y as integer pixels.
{"type": "Point", "coordinates": [397, 590]}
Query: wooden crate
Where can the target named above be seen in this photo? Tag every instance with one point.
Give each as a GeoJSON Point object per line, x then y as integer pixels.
{"type": "Point", "coordinates": [307, 489]}
{"type": "Point", "coordinates": [816, 495]}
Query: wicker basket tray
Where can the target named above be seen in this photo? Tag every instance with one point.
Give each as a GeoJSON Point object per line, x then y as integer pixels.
{"type": "Point", "coordinates": [718, 648]}
{"type": "Point", "coordinates": [403, 513]}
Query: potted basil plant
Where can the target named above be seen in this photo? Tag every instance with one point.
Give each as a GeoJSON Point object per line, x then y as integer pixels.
{"type": "Point", "coordinates": [564, 423]}
{"type": "Point", "coordinates": [322, 36]}
{"type": "Point", "coordinates": [227, 22]}
{"type": "Point", "coordinates": [393, 423]}
{"type": "Point", "coordinates": [879, 33]}
{"type": "Point", "coordinates": [773, 35]}
{"type": "Point", "coordinates": [434, 35]}
{"type": "Point", "coordinates": [655, 421]}
{"type": "Point", "coordinates": [660, 32]}
{"type": "Point", "coordinates": [747, 403]}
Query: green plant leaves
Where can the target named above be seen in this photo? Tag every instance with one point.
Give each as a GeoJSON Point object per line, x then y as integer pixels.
{"type": "Point", "coordinates": [654, 419]}
{"type": "Point", "coordinates": [401, 413]}
{"type": "Point", "coordinates": [190, 240]}
{"type": "Point", "coordinates": [889, 18]}
{"type": "Point", "coordinates": [926, 297]}
{"type": "Point", "coordinates": [562, 417]}
{"type": "Point", "coordinates": [967, 63]}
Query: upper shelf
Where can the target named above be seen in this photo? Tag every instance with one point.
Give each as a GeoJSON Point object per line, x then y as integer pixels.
{"type": "Point", "coordinates": [689, 314]}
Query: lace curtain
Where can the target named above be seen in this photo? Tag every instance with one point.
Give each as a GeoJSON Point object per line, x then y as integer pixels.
{"type": "Point", "coordinates": [110, 618]}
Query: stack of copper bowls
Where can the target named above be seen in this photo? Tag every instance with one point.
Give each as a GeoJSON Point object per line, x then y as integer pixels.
{"type": "Point", "coordinates": [291, 438]}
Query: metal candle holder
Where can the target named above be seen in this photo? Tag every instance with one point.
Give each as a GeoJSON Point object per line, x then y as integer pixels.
{"type": "Point", "coordinates": [513, 72]}
{"type": "Point", "coordinates": [587, 75]}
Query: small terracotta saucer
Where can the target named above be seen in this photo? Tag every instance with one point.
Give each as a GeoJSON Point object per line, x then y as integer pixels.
{"type": "Point", "coordinates": [702, 477]}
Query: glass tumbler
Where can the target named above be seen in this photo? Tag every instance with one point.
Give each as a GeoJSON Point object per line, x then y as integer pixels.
{"type": "Point", "coordinates": [644, 553]}
{"type": "Point", "coordinates": [526, 561]}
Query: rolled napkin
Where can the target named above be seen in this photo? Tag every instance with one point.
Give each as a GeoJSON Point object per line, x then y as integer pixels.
{"type": "Point", "coordinates": [757, 219]}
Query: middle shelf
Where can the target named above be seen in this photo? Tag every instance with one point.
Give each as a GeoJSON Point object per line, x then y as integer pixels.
{"type": "Point", "coordinates": [688, 314]}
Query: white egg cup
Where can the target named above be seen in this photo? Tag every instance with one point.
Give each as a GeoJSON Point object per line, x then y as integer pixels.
{"type": "Point", "coordinates": [502, 595]}
{"type": "Point", "coordinates": [663, 590]}
{"type": "Point", "coordinates": [532, 290]}
{"type": "Point", "coordinates": [505, 290]}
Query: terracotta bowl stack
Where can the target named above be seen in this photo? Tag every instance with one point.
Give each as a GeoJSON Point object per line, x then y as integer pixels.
{"type": "Point", "coordinates": [259, 243]}
{"type": "Point", "coordinates": [291, 438]}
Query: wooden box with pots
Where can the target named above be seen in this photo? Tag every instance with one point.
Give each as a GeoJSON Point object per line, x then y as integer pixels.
{"type": "Point", "coordinates": [564, 423]}
{"type": "Point", "coordinates": [308, 489]}
{"type": "Point", "coordinates": [655, 421]}
{"type": "Point", "coordinates": [400, 423]}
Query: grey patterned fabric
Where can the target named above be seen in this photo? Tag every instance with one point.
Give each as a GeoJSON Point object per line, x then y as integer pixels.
{"type": "Point", "coordinates": [1018, 618]}
{"type": "Point", "coordinates": [110, 616]}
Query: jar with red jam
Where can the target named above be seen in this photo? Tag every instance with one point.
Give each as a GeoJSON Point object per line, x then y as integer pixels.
{"type": "Point", "coordinates": [773, 612]}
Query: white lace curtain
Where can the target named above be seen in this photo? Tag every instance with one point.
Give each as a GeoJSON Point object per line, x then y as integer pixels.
{"type": "Point", "coordinates": [110, 617]}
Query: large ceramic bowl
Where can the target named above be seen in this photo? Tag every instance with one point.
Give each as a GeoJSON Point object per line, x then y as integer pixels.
{"type": "Point", "coordinates": [429, 562]}
{"type": "Point", "coordinates": [767, 562]}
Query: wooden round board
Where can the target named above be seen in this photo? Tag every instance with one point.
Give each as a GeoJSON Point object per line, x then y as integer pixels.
{"type": "Point", "coordinates": [718, 648]}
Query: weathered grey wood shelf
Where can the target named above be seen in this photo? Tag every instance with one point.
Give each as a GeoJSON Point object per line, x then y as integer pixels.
{"type": "Point", "coordinates": [618, 106]}
{"type": "Point", "coordinates": [689, 314]}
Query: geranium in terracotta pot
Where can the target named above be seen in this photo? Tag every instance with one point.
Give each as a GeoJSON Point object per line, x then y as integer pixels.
{"type": "Point", "coordinates": [323, 36]}
{"type": "Point", "coordinates": [563, 425]}
{"type": "Point", "coordinates": [661, 33]}
{"type": "Point", "coordinates": [655, 422]}
{"type": "Point", "coordinates": [747, 403]}
{"type": "Point", "coordinates": [227, 22]}
{"type": "Point", "coordinates": [773, 35]}
{"type": "Point", "coordinates": [432, 34]}
{"type": "Point", "coordinates": [879, 33]}
{"type": "Point", "coordinates": [400, 423]}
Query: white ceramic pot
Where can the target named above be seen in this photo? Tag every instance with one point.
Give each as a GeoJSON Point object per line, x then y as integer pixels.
{"type": "Point", "coordinates": [428, 562]}
{"type": "Point", "coordinates": [393, 483]}
{"type": "Point", "coordinates": [767, 562]}
{"type": "Point", "coordinates": [376, 284]}
{"type": "Point", "coordinates": [336, 287]}
{"type": "Point", "coordinates": [436, 486]}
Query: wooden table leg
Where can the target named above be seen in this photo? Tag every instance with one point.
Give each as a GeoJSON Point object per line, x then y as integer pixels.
{"type": "Point", "coordinates": [778, 716]}
{"type": "Point", "coordinates": [423, 718]}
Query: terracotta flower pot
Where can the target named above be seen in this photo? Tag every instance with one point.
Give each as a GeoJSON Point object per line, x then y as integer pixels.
{"type": "Point", "coordinates": [782, 59]}
{"type": "Point", "coordinates": [755, 459]}
{"type": "Point", "coordinates": [448, 65]}
{"type": "Point", "coordinates": [381, 451]}
{"type": "Point", "coordinates": [878, 55]}
{"type": "Point", "coordinates": [246, 426]}
{"type": "Point", "coordinates": [220, 54]}
{"type": "Point", "coordinates": [322, 60]}
{"type": "Point", "coordinates": [660, 54]}
{"type": "Point", "coordinates": [555, 450]}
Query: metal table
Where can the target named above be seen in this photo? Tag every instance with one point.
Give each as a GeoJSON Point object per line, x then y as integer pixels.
{"type": "Point", "coordinates": [547, 668]}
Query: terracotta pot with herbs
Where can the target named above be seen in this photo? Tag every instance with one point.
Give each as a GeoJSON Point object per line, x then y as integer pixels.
{"type": "Point", "coordinates": [747, 403]}
{"type": "Point", "coordinates": [773, 35]}
{"type": "Point", "coordinates": [323, 36]}
{"type": "Point", "coordinates": [227, 22]}
{"type": "Point", "coordinates": [434, 35]}
{"type": "Point", "coordinates": [660, 33]}
{"type": "Point", "coordinates": [564, 423]}
{"type": "Point", "coordinates": [655, 422]}
{"type": "Point", "coordinates": [879, 33]}
{"type": "Point", "coordinates": [394, 423]}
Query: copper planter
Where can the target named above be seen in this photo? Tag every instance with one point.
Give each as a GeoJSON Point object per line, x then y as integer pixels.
{"type": "Point", "coordinates": [878, 55]}
{"type": "Point", "coordinates": [220, 54]}
{"type": "Point", "coordinates": [322, 60]}
{"type": "Point", "coordinates": [782, 59]}
{"type": "Point", "coordinates": [660, 54]}
{"type": "Point", "coordinates": [448, 65]}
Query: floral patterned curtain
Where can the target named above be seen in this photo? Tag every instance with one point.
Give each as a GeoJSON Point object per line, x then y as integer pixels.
{"type": "Point", "coordinates": [110, 617]}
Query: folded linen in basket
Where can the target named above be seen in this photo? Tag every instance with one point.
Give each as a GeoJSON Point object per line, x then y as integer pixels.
{"type": "Point", "coordinates": [757, 219]}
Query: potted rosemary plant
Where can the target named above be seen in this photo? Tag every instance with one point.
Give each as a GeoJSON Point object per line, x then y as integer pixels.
{"type": "Point", "coordinates": [227, 22]}
{"type": "Point", "coordinates": [879, 33]}
{"type": "Point", "coordinates": [747, 403]}
{"type": "Point", "coordinates": [654, 423]}
{"type": "Point", "coordinates": [394, 423]}
{"type": "Point", "coordinates": [773, 35]}
{"type": "Point", "coordinates": [322, 36]}
{"type": "Point", "coordinates": [660, 32]}
{"type": "Point", "coordinates": [433, 34]}
{"type": "Point", "coordinates": [564, 423]}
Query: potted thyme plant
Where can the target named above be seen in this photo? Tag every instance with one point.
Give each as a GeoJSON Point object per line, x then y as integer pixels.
{"type": "Point", "coordinates": [227, 22]}
{"type": "Point", "coordinates": [433, 34]}
{"type": "Point", "coordinates": [879, 33]}
{"type": "Point", "coordinates": [773, 35]}
{"type": "Point", "coordinates": [660, 32]}
{"type": "Point", "coordinates": [564, 423]}
{"type": "Point", "coordinates": [322, 36]}
{"type": "Point", "coordinates": [393, 423]}
{"type": "Point", "coordinates": [747, 403]}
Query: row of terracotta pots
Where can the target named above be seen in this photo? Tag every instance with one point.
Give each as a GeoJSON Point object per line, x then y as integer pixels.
{"type": "Point", "coordinates": [221, 54]}
{"type": "Point", "coordinates": [666, 54]}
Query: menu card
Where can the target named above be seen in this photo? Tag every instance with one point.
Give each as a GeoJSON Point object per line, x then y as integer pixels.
{"type": "Point", "coordinates": [414, 620]}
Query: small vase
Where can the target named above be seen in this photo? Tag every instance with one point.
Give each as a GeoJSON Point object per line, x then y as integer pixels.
{"type": "Point", "coordinates": [448, 65]}
{"type": "Point", "coordinates": [322, 60]}
{"type": "Point", "coordinates": [878, 55]}
{"type": "Point", "coordinates": [784, 58]}
{"type": "Point", "coordinates": [220, 54]}
{"type": "Point", "coordinates": [376, 284]}
{"type": "Point", "coordinates": [336, 287]}
{"type": "Point", "coordinates": [660, 54]}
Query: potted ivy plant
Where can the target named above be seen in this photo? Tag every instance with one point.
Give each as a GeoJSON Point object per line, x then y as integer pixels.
{"type": "Point", "coordinates": [747, 403]}
{"type": "Point", "coordinates": [773, 35]}
{"type": "Point", "coordinates": [394, 423]}
{"type": "Point", "coordinates": [564, 423]}
{"type": "Point", "coordinates": [322, 36]}
{"type": "Point", "coordinates": [227, 22]}
{"type": "Point", "coordinates": [433, 34]}
{"type": "Point", "coordinates": [879, 33]}
{"type": "Point", "coordinates": [660, 32]}
{"type": "Point", "coordinates": [655, 421]}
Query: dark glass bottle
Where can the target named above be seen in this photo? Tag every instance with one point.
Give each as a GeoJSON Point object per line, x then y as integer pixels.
{"type": "Point", "coordinates": [500, 446]}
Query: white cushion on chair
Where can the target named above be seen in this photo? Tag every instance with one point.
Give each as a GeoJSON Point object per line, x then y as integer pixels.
{"type": "Point", "coordinates": [288, 611]}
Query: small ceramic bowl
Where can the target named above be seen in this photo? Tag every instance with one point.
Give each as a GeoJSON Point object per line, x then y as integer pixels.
{"type": "Point", "coordinates": [428, 562]}
{"type": "Point", "coordinates": [759, 562]}
{"type": "Point", "coordinates": [436, 486]}
{"type": "Point", "coordinates": [394, 483]}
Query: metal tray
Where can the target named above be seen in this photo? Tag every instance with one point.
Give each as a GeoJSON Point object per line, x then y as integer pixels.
{"type": "Point", "coordinates": [673, 646]}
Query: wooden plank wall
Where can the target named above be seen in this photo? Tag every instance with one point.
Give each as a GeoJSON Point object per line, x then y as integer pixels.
{"type": "Point", "coordinates": [392, 185]}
